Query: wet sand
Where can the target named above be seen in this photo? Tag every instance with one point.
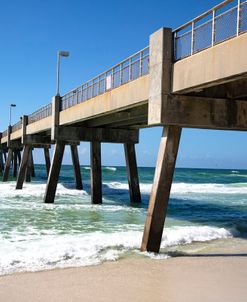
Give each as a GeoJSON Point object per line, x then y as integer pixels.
{"type": "Point", "coordinates": [194, 278]}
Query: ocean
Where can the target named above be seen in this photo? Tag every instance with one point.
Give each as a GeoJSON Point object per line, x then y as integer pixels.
{"type": "Point", "coordinates": [207, 208]}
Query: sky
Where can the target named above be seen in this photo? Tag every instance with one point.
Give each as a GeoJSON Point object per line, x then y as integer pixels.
{"type": "Point", "coordinates": [98, 34]}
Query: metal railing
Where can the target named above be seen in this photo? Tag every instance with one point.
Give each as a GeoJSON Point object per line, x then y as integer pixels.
{"type": "Point", "coordinates": [223, 22]}
{"type": "Point", "coordinates": [128, 70]}
{"type": "Point", "coordinates": [40, 114]}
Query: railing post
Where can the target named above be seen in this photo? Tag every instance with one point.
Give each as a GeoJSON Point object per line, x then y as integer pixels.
{"type": "Point", "coordinates": [192, 38]}
{"type": "Point", "coordinates": [213, 28]}
{"type": "Point", "coordinates": [238, 17]}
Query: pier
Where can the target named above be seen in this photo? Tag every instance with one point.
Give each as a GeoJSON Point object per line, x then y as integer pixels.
{"type": "Point", "coordinates": [194, 76]}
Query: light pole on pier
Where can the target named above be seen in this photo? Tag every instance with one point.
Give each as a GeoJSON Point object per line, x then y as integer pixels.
{"type": "Point", "coordinates": [10, 112]}
{"type": "Point", "coordinates": [60, 54]}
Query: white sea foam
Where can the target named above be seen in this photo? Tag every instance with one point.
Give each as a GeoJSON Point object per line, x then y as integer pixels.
{"type": "Point", "coordinates": [38, 251]}
{"type": "Point", "coordinates": [113, 169]}
{"type": "Point", "coordinates": [36, 190]}
{"type": "Point", "coordinates": [186, 188]}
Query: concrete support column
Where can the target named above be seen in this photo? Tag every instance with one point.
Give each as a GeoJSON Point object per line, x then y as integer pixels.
{"type": "Point", "coordinates": [7, 165]}
{"type": "Point", "coordinates": [51, 186]}
{"type": "Point", "coordinates": [160, 71]}
{"type": "Point", "coordinates": [23, 167]}
{"type": "Point", "coordinates": [4, 156]}
{"type": "Point", "coordinates": [29, 167]}
{"type": "Point", "coordinates": [1, 162]}
{"type": "Point", "coordinates": [161, 189]}
{"type": "Point", "coordinates": [47, 160]}
{"type": "Point", "coordinates": [133, 180]}
{"type": "Point", "coordinates": [32, 165]}
{"type": "Point", "coordinates": [19, 157]}
{"type": "Point", "coordinates": [15, 163]}
{"type": "Point", "coordinates": [76, 166]}
{"type": "Point", "coordinates": [96, 173]}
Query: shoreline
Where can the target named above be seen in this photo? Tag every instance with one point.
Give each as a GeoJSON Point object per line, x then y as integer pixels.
{"type": "Point", "coordinates": [214, 274]}
{"type": "Point", "coordinates": [194, 278]}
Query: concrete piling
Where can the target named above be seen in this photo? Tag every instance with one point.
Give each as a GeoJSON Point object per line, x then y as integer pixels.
{"type": "Point", "coordinates": [51, 186]}
{"type": "Point", "coordinates": [76, 166]}
{"type": "Point", "coordinates": [96, 173]}
{"type": "Point", "coordinates": [161, 189]}
{"type": "Point", "coordinates": [133, 179]}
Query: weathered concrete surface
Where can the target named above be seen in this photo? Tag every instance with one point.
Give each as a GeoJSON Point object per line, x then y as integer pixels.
{"type": "Point", "coordinates": [160, 67]}
{"type": "Point", "coordinates": [160, 193]}
{"type": "Point", "coordinates": [220, 63]}
{"type": "Point", "coordinates": [39, 126]}
{"type": "Point", "coordinates": [123, 97]}
{"type": "Point", "coordinates": [16, 135]}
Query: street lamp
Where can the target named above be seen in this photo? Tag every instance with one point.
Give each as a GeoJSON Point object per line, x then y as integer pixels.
{"type": "Point", "coordinates": [60, 54]}
{"type": "Point", "coordinates": [10, 109]}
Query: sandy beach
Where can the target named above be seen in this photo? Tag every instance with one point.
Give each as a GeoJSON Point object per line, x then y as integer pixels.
{"type": "Point", "coordinates": [194, 278]}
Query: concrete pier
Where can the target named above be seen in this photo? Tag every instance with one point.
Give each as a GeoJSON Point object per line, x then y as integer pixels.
{"type": "Point", "coordinates": [161, 85]}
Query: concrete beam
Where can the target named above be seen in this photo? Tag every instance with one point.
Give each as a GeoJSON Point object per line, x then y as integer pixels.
{"type": "Point", "coordinates": [98, 135]}
{"type": "Point", "coordinates": [125, 116]}
{"type": "Point", "coordinates": [208, 113]}
{"type": "Point", "coordinates": [36, 140]}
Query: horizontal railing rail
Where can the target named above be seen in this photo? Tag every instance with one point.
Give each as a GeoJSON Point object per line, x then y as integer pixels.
{"type": "Point", "coordinates": [224, 21]}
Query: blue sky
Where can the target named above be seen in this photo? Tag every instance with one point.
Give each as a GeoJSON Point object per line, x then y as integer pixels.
{"type": "Point", "coordinates": [98, 34]}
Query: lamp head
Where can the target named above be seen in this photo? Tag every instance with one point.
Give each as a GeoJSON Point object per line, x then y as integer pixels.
{"type": "Point", "coordinates": [63, 53]}
{"type": "Point", "coordinates": [12, 105]}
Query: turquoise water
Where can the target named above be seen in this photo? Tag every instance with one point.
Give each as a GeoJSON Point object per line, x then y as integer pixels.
{"type": "Point", "coordinates": [205, 206]}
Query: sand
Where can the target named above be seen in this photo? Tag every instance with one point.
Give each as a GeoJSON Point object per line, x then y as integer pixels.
{"type": "Point", "coordinates": [204, 278]}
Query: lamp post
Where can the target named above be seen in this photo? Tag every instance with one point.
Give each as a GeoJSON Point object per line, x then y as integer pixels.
{"type": "Point", "coordinates": [10, 112]}
{"type": "Point", "coordinates": [60, 54]}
